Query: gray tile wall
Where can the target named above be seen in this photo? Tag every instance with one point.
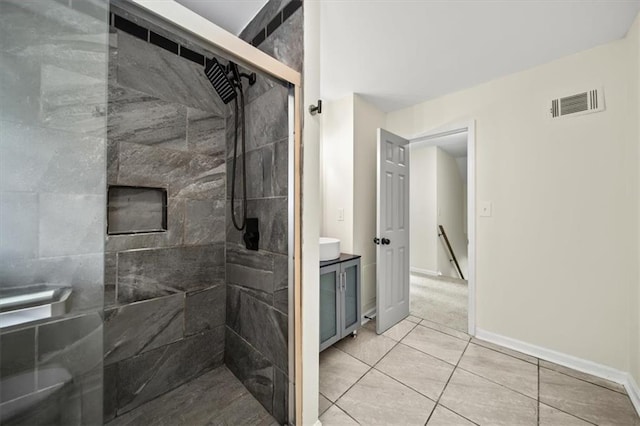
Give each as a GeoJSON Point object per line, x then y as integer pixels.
{"type": "Point", "coordinates": [257, 282]}
{"type": "Point", "coordinates": [53, 63]}
{"type": "Point", "coordinates": [165, 292]}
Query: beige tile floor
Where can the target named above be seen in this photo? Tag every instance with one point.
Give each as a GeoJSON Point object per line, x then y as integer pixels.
{"type": "Point", "coordinates": [422, 373]}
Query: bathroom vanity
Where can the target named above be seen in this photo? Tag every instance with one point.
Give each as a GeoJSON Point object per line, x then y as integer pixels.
{"type": "Point", "coordinates": [339, 298]}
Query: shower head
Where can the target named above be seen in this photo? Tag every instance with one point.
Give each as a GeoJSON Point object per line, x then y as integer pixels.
{"type": "Point", "coordinates": [217, 75]}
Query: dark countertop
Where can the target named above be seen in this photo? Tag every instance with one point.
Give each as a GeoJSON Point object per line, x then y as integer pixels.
{"type": "Point", "coordinates": [343, 258]}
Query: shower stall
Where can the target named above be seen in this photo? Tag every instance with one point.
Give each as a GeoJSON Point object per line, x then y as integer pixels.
{"type": "Point", "coordinates": [147, 219]}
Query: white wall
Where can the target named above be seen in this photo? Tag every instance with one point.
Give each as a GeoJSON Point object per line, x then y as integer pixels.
{"type": "Point", "coordinates": [450, 214]}
{"type": "Point", "coordinates": [338, 170]}
{"type": "Point", "coordinates": [423, 209]}
{"type": "Point", "coordinates": [557, 259]}
{"type": "Point", "coordinates": [367, 119]}
{"type": "Point", "coordinates": [349, 182]}
{"type": "Point", "coordinates": [634, 39]}
{"type": "Point", "coordinates": [310, 220]}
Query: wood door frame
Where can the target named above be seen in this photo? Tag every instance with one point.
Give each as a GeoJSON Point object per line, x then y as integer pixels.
{"type": "Point", "coordinates": [468, 126]}
{"type": "Point", "coordinates": [221, 42]}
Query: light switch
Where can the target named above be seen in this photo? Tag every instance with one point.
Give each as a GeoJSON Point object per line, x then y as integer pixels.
{"type": "Point", "coordinates": [340, 215]}
{"type": "Point", "coordinates": [485, 209]}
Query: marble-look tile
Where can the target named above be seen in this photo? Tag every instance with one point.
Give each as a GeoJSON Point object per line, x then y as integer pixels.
{"type": "Point", "coordinates": [17, 352]}
{"type": "Point", "coordinates": [51, 33]}
{"type": "Point", "coordinates": [484, 402]}
{"type": "Point", "coordinates": [338, 372]}
{"type": "Point", "coordinates": [18, 225]}
{"type": "Point", "coordinates": [74, 344]}
{"type": "Point", "coordinates": [323, 404]}
{"type": "Point", "coordinates": [267, 118]}
{"type": "Point", "coordinates": [214, 398]}
{"type": "Point", "coordinates": [400, 330]}
{"type": "Point", "coordinates": [110, 281]}
{"type": "Point", "coordinates": [334, 416]}
{"type": "Point", "coordinates": [151, 69]}
{"type": "Point", "coordinates": [447, 330]}
{"type": "Point", "coordinates": [507, 351]}
{"type": "Point", "coordinates": [281, 300]}
{"type": "Point", "coordinates": [83, 272]}
{"type": "Point", "coordinates": [586, 400]}
{"type": "Point", "coordinates": [206, 133]}
{"type": "Point", "coordinates": [110, 396]}
{"type": "Point", "coordinates": [264, 328]}
{"type": "Point", "coordinates": [280, 397]}
{"type": "Point", "coordinates": [503, 369]}
{"type": "Point", "coordinates": [285, 44]}
{"type": "Point", "coordinates": [157, 322]}
{"type": "Point", "coordinates": [550, 416]}
{"type": "Point", "coordinates": [71, 224]}
{"type": "Point", "coordinates": [251, 367]}
{"type": "Point", "coordinates": [251, 269]}
{"type": "Point", "coordinates": [441, 416]}
{"type": "Point", "coordinates": [19, 89]}
{"type": "Point", "coordinates": [186, 175]}
{"type": "Point", "coordinates": [204, 222]}
{"type": "Point", "coordinates": [137, 117]}
{"type": "Point", "coordinates": [432, 342]}
{"type": "Point", "coordinates": [205, 309]}
{"type": "Point", "coordinates": [156, 372]}
{"type": "Point", "coordinates": [272, 214]}
{"type": "Point", "coordinates": [422, 372]}
{"type": "Point", "coordinates": [173, 236]}
{"type": "Point", "coordinates": [72, 102]}
{"type": "Point", "coordinates": [146, 274]}
{"type": "Point", "coordinates": [378, 399]}
{"type": "Point", "coordinates": [368, 347]}
{"type": "Point", "coordinates": [583, 376]}
{"type": "Point", "coordinates": [414, 319]}
{"type": "Point", "coordinates": [51, 161]}
{"type": "Point", "coordinates": [234, 304]}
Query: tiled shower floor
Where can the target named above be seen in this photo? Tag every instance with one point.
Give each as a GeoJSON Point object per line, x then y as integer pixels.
{"type": "Point", "coordinates": [420, 372]}
{"type": "Point", "coordinates": [215, 398]}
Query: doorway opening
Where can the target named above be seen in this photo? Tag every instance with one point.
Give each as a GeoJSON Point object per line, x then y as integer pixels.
{"type": "Point", "coordinates": [433, 228]}
{"type": "Point", "coordinates": [439, 230]}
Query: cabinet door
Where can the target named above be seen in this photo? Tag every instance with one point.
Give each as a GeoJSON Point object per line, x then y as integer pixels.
{"type": "Point", "coordinates": [350, 296]}
{"type": "Point", "coordinates": [329, 305]}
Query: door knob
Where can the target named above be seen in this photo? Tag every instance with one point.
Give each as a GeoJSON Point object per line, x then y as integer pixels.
{"type": "Point", "coordinates": [385, 241]}
{"type": "Point", "coordinates": [376, 240]}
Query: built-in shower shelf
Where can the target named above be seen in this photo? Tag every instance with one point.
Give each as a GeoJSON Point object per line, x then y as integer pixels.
{"type": "Point", "coordinates": [19, 305]}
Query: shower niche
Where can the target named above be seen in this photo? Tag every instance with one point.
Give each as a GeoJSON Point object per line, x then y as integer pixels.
{"type": "Point", "coordinates": [136, 210]}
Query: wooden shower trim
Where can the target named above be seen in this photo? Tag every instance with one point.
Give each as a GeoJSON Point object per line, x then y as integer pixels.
{"type": "Point", "coordinates": [247, 55]}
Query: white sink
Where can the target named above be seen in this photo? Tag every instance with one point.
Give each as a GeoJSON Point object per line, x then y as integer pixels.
{"type": "Point", "coordinates": [329, 248]}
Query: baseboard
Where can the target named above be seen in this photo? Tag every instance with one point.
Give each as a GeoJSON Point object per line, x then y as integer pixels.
{"type": "Point", "coordinates": [633, 390]}
{"type": "Point", "coordinates": [570, 361]}
{"type": "Point", "coordinates": [423, 271]}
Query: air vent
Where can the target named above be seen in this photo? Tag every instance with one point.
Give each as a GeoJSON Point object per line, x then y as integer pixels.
{"type": "Point", "coordinates": [578, 104]}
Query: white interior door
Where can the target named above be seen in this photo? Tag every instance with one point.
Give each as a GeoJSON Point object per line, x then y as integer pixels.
{"type": "Point", "coordinates": [392, 287]}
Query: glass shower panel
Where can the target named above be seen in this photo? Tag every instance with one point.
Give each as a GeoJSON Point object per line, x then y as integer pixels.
{"type": "Point", "coordinates": [53, 103]}
{"type": "Point", "coordinates": [351, 296]}
{"type": "Point", "coordinates": [329, 307]}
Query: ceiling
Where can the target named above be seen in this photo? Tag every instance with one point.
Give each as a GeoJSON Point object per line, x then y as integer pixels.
{"type": "Point", "coordinates": [232, 15]}
{"type": "Point", "coordinates": [399, 53]}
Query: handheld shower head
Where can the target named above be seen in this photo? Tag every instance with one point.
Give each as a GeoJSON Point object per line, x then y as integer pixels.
{"type": "Point", "coordinates": [217, 75]}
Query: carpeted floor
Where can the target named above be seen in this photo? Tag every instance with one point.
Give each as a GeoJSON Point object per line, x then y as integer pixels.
{"type": "Point", "coordinates": [441, 300]}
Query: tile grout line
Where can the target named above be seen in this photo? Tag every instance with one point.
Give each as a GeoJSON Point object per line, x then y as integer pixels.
{"type": "Point", "coordinates": [538, 405]}
{"type": "Point", "coordinates": [397, 342]}
{"type": "Point", "coordinates": [584, 380]}
{"type": "Point", "coordinates": [445, 388]}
